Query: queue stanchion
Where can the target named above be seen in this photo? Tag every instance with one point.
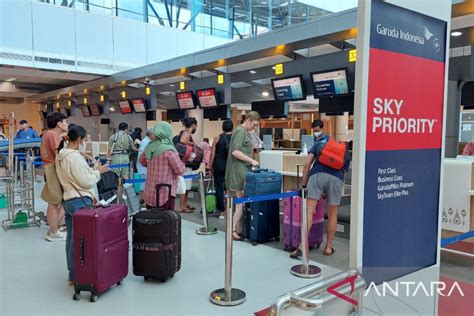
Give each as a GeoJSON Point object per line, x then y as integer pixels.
{"type": "Point", "coordinates": [305, 270]}
{"type": "Point", "coordinates": [206, 230]}
{"type": "Point", "coordinates": [228, 296]}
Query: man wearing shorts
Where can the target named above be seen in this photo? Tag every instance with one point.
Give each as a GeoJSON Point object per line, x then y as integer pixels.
{"type": "Point", "coordinates": [120, 146]}
{"type": "Point", "coordinates": [323, 180]}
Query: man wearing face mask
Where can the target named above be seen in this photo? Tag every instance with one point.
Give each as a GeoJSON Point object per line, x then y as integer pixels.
{"type": "Point", "coordinates": [318, 132]}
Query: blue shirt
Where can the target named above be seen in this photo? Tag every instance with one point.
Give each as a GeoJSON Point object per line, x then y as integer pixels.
{"type": "Point", "coordinates": [140, 168]}
{"type": "Point", "coordinates": [29, 133]}
{"type": "Point", "coordinates": [320, 168]}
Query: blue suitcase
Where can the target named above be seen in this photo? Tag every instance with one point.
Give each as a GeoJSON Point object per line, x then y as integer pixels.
{"type": "Point", "coordinates": [261, 220]}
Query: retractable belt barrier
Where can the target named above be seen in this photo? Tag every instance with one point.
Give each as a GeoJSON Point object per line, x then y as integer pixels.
{"type": "Point", "coordinates": [14, 154]}
{"type": "Point", "coordinates": [118, 166]}
{"type": "Point", "coordinates": [229, 296]}
{"type": "Point", "coordinates": [206, 229]}
{"type": "Point", "coordinates": [452, 240]}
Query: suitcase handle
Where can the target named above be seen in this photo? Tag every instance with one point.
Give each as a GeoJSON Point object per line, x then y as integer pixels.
{"type": "Point", "coordinates": [259, 170]}
{"type": "Point", "coordinates": [158, 187]}
{"type": "Point", "coordinates": [81, 251]}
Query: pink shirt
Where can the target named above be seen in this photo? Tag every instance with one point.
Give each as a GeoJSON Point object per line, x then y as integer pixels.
{"type": "Point", "coordinates": [164, 169]}
{"type": "Point", "coordinates": [468, 149]}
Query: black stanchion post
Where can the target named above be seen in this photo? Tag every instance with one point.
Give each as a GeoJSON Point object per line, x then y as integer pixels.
{"type": "Point", "coordinates": [206, 230]}
{"type": "Point", "coordinates": [228, 296]}
{"type": "Point", "coordinates": [305, 270]}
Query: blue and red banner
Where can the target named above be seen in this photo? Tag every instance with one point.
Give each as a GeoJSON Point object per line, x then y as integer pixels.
{"type": "Point", "coordinates": [403, 144]}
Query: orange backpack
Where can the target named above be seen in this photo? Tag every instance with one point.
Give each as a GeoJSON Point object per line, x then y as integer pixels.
{"type": "Point", "coordinates": [333, 154]}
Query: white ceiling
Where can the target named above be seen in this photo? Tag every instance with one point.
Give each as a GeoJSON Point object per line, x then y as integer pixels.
{"type": "Point", "coordinates": [39, 76]}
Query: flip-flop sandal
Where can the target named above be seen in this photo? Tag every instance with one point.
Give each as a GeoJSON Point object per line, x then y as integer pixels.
{"type": "Point", "coordinates": [296, 254]}
{"type": "Point", "coordinates": [189, 207]}
{"type": "Point", "coordinates": [186, 211]}
{"type": "Point", "coordinates": [333, 250]}
{"type": "Point", "coordinates": [237, 237]}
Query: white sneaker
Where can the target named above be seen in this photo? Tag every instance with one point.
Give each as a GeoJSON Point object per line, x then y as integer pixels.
{"type": "Point", "coordinates": [58, 236]}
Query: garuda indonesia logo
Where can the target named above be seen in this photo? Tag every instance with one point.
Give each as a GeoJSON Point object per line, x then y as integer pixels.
{"type": "Point", "coordinates": [428, 35]}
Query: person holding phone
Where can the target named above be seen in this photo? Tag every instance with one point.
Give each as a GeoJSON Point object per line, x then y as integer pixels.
{"type": "Point", "coordinates": [78, 181]}
{"type": "Point", "coordinates": [239, 163]}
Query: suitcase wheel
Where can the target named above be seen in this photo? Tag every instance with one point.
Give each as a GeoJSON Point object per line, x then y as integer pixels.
{"type": "Point", "coordinates": [254, 243]}
{"type": "Point", "coordinates": [146, 278]}
{"type": "Point", "coordinates": [162, 280]}
{"type": "Point", "coordinates": [94, 298]}
{"type": "Point", "coordinates": [76, 296]}
{"type": "Point", "coordinates": [317, 246]}
{"type": "Point", "coordinates": [120, 282]}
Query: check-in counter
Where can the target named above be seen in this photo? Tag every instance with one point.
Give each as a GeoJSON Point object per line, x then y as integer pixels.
{"type": "Point", "coordinates": [458, 197]}
{"type": "Point", "coordinates": [284, 162]}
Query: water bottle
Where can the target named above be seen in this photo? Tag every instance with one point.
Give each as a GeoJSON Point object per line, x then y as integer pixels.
{"type": "Point", "coordinates": [305, 149]}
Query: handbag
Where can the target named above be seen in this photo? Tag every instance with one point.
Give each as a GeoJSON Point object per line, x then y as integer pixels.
{"type": "Point", "coordinates": [52, 192]}
{"type": "Point", "coordinates": [181, 186]}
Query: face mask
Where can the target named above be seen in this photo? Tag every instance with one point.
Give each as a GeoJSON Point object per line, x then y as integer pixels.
{"type": "Point", "coordinates": [317, 134]}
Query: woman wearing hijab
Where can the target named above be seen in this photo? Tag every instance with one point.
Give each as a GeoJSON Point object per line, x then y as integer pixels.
{"type": "Point", "coordinates": [164, 167]}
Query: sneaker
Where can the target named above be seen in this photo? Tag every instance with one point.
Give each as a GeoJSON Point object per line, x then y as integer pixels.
{"type": "Point", "coordinates": [59, 236]}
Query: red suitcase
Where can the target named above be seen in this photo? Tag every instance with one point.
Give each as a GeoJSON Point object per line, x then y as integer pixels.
{"type": "Point", "coordinates": [100, 249]}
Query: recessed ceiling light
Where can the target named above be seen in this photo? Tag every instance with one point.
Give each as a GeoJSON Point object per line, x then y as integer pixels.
{"type": "Point", "coordinates": [171, 85]}
{"type": "Point", "coordinates": [253, 72]}
{"type": "Point", "coordinates": [265, 93]}
{"type": "Point", "coordinates": [456, 33]}
{"type": "Point", "coordinates": [10, 79]}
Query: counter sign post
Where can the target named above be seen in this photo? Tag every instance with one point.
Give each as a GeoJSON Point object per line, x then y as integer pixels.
{"type": "Point", "coordinates": [401, 135]}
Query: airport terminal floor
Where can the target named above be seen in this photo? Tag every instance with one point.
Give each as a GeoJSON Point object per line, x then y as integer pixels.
{"type": "Point", "coordinates": [237, 157]}
{"type": "Point", "coordinates": [33, 276]}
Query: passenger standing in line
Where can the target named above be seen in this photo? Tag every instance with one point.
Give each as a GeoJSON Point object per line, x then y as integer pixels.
{"type": "Point", "coordinates": [78, 181]}
{"type": "Point", "coordinates": [137, 139]}
{"type": "Point", "coordinates": [120, 146]}
{"type": "Point", "coordinates": [218, 162]}
{"type": "Point", "coordinates": [58, 125]}
{"type": "Point", "coordinates": [318, 132]}
{"type": "Point", "coordinates": [25, 132]}
{"type": "Point", "coordinates": [141, 169]}
{"type": "Point", "coordinates": [239, 163]}
{"type": "Point", "coordinates": [185, 137]}
{"type": "Point", "coordinates": [163, 167]}
{"type": "Point", "coordinates": [323, 180]}
{"type": "Point", "coordinates": [468, 149]}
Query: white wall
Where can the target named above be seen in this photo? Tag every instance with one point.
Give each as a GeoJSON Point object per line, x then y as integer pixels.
{"type": "Point", "coordinates": [93, 42]}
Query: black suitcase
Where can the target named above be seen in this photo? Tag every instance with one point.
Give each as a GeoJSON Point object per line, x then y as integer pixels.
{"type": "Point", "coordinates": [107, 186]}
{"type": "Point", "coordinates": [157, 242]}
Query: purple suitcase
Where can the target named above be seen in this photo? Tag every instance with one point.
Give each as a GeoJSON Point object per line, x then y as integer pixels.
{"type": "Point", "coordinates": [292, 224]}
{"type": "Point", "coordinates": [101, 249]}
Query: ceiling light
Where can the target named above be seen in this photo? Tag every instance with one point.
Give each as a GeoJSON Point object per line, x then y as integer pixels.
{"type": "Point", "coordinates": [10, 79]}
{"type": "Point", "coordinates": [112, 109]}
{"type": "Point", "coordinates": [457, 33]}
{"type": "Point", "coordinates": [171, 85]}
{"type": "Point", "coordinates": [253, 72]}
{"type": "Point", "coordinates": [265, 93]}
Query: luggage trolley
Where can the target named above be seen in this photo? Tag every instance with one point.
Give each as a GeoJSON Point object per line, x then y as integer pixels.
{"type": "Point", "coordinates": [20, 196]}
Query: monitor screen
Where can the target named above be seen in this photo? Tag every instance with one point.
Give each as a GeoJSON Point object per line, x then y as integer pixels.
{"type": "Point", "coordinates": [185, 100]}
{"type": "Point", "coordinates": [207, 98]}
{"type": "Point", "coordinates": [85, 111]}
{"type": "Point", "coordinates": [217, 113]}
{"type": "Point", "coordinates": [95, 109]}
{"type": "Point", "coordinates": [289, 88]}
{"type": "Point", "coordinates": [175, 115]}
{"type": "Point", "coordinates": [125, 107]}
{"type": "Point", "coordinates": [330, 83]}
{"type": "Point", "coordinates": [139, 105]}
